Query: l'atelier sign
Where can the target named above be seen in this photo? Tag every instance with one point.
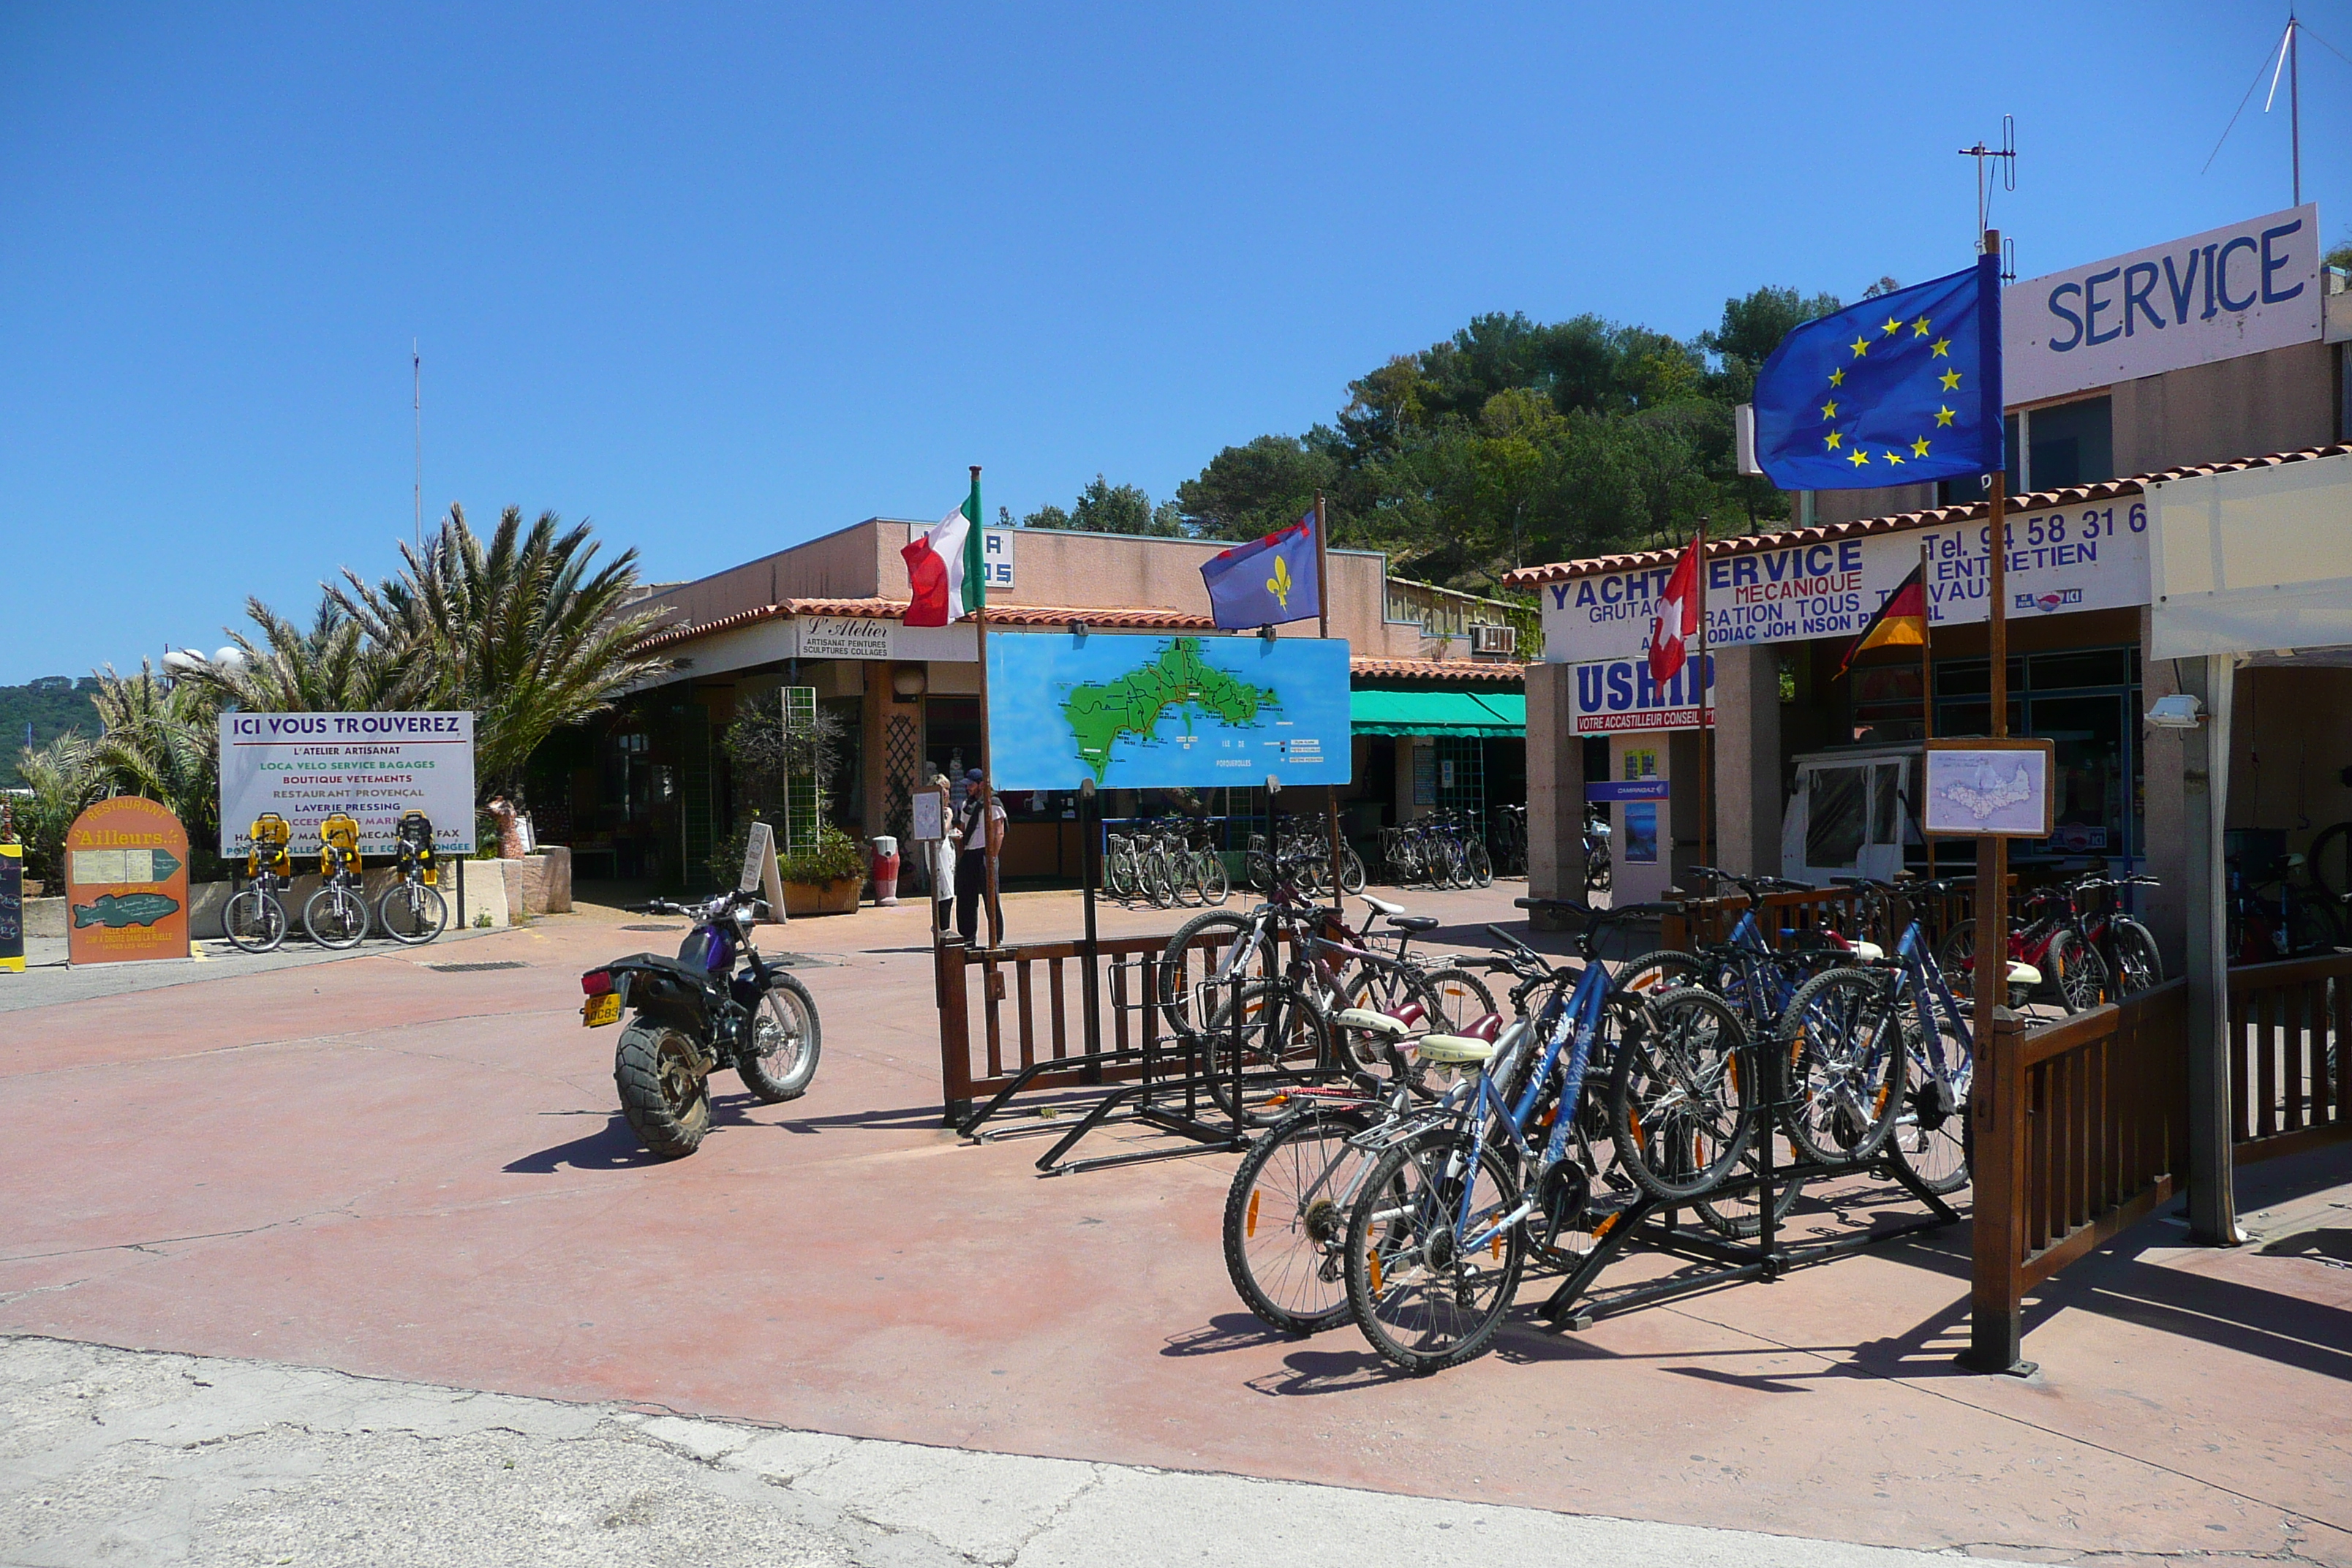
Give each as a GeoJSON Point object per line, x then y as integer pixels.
{"type": "Point", "coordinates": [848, 637]}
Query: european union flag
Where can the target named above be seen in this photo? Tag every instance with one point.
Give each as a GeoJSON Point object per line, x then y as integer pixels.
{"type": "Point", "coordinates": [1899, 389]}
{"type": "Point", "coordinates": [1267, 582]}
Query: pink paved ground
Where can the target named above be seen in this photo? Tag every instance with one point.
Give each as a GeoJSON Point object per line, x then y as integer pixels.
{"type": "Point", "coordinates": [372, 1166]}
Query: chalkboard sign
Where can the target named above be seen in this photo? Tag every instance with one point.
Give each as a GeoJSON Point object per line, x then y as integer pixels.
{"type": "Point", "coordinates": [12, 908]}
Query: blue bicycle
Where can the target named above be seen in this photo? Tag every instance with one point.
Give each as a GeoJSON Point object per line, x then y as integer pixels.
{"type": "Point", "coordinates": [1437, 1236]}
{"type": "Point", "coordinates": [1931, 1137]}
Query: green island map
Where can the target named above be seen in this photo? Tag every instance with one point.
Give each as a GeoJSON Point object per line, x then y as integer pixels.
{"type": "Point", "coordinates": [1135, 702]}
{"type": "Point", "coordinates": [1140, 711]}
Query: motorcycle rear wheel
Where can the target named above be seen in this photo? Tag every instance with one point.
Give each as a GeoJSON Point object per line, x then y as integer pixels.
{"type": "Point", "coordinates": [665, 1099]}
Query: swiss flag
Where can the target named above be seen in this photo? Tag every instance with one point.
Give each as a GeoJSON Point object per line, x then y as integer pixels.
{"type": "Point", "coordinates": [1677, 618]}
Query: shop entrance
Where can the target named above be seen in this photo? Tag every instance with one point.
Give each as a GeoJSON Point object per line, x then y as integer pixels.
{"type": "Point", "coordinates": [2087, 701]}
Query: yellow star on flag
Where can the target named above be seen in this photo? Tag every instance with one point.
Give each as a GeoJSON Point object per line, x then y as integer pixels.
{"type": "Point", "coordinates": [1943, 347]}
{"type": "Point", "coordinates": [1837, 378]}
{"type": "Point", "coordinates": [1858, 458]}
{"type": "Point", "coordinates": [1919, 328]}
{"type": "Point", "coordinates": [1829, 409]}
{"type": "Point", "coordinates": [1943, 417]}
{"type": "Point", "coordinates": [1919, 447]}
{"type": "Point", "coordinates": [1833, 440]}
{"type": "Point", "coordinates": [1894, 325]}
{"type": "Point", "coordinates": [1951, 380]}
{"type": "Point", "coordinates": [1894, 458]}
{"type": "Point", "coordinates": [1860, 346]}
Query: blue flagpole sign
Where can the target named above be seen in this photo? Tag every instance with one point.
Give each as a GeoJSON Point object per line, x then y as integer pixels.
{"type": "Point", "coordinates": [1165, 712]}
{"type": "Point", "coordinates": [1899, 390]}
{"type": "Point", "coordinates": [1267, 583]}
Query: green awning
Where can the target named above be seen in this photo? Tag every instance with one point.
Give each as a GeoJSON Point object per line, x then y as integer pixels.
{"type": "Point", "coordinates": [1498, 713]}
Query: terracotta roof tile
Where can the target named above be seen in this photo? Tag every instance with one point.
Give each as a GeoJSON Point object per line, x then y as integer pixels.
{"type": "Point", "coordinates": [1108, 618]}
{"type": "Point", "coordinates": [2039, 500]}
{"type": "Point", "coordinates": [1436, 669]}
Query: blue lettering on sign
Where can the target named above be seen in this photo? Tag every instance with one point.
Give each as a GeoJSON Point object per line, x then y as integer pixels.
{"type": "Point", "coordinates": [2272, 264]}
{"type": "Point", "coordinates": [1560, 595]}
{"type": "Point", "coordinates": [2181, 285]}
{"type": "Point", "coordinates": [2075, 338]}
{"type": "Point", "coordinates": [2137, 288]}
{"type": "Point", "coordinates": [1621, 688]}
{"type": "Point", "coordinates": [2221, 276]}
{"type": "Point", "coordinates": [1588, 688]}
{"type": "Point", "coordinates": [2211, 309]}
{"type": "Point", "coordinates": [2093, 305]}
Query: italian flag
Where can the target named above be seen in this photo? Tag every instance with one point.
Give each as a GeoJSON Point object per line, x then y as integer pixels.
{"type": "Point", "coordinates": [943, 567]}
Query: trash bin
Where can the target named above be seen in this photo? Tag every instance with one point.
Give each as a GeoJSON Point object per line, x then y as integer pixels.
{"type": "Point", "coordinates": [885, 871]}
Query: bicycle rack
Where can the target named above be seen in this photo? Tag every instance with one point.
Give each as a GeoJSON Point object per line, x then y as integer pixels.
{"type": "Point", "coordinates": [1149, 1107]}
{"type": "Point", "coordinates": [1654, 1225]}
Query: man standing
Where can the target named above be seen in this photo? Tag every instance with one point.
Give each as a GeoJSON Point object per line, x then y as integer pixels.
{"type": "Point", "coordinates": [981, 837]}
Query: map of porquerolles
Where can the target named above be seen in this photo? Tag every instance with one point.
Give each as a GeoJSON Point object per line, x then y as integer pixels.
{"type": "Point", "coordinates": [1134, 704]}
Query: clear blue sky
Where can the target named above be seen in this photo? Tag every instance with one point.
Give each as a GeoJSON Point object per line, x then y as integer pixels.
{"type": "Point", "coordinates": [722, 281]}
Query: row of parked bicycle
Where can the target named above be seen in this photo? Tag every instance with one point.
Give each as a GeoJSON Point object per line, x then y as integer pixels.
{"type": "Point", "coordinates": [411, 909]}
{"type": "Point", "coordinates": [1420, 1144]}
{"type": "Point", "coordinates": [1175, 861]}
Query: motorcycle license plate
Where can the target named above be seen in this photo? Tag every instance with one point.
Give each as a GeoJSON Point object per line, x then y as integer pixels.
{"type": "Point", "coordinates": [604, 1009]}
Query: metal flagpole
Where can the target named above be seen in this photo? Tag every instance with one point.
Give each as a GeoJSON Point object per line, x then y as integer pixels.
{"type": "Point", "coordinates": [1705, 751]}
{"type": "Point", "coordinates": [1926, 699]}
{"type": "Point", "coordinates": [1993, 1333]}
{"type": "Point", "coordinates": [987, 773]}
{"type": "Point", "coordinates": [1323, 629]}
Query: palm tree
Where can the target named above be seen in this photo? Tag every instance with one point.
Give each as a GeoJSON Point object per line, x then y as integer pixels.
{"type": "Point", "coordinates": [334, 667]}
{"type": "Point", "coordinates": [525, 630]}
{"type": "Point", "coordinates": [162, 742]}
{"type": "Point", "coordinates": [62, 783]}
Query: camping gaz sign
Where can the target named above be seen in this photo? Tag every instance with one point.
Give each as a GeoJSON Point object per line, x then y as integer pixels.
{"type": "Point", "coordinates": [375, 766]}
{"type": "Point", "coordinates": [1619, 694]}
{"type": "Point", "coordinates": [2087, 557]}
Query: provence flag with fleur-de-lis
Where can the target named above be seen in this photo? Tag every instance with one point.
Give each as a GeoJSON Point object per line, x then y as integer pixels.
{"type": "Point", "coordinates": [1266, 582]}
{"type": "Point", "coordinates": [1900, 389]}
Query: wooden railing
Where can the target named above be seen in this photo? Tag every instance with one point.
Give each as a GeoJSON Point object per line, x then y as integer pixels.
{"type": "Point", "coordinates": [2081, 1131]}
{"type": "Point", "coordinates": [2290, 1070]}
{"type": "Point", "coordinates": [1030, 1001]}
{"type": "Point", "coordinates": [1846, 910]}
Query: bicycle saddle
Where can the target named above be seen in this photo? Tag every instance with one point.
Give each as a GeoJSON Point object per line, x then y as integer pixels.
{"type": "Point", "coordinates": [1413, 922]}
{"type": "Point", "coordinates": [1395, 1025]}
{"type": "Point", "coordinates": [1382, 906]}
{"type": "Point", "coordinates": [1454, 1051]}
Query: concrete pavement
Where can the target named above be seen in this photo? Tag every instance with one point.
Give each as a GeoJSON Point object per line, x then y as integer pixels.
{"type": "Point", "coordinates": [406, 1172]}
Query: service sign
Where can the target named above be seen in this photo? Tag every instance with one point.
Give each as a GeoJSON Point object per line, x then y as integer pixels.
{"type": "Point", "coordinates": [2089, 557]}
{"type": "Point", "coordinates": [2241, 290]}
{"type": "Point", "coordinates": [126, 883]}
{"type": "Point", "coordinates": [308, 766]}
{"type": "Point", "coordinates": [1618, 694]}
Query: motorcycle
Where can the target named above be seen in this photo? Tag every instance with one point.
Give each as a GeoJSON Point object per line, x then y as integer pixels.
{"type": "Point", "coordinates": [698, 1013]}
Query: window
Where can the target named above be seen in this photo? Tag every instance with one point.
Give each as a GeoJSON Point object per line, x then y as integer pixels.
{"type": "Point", "coordinates": [2072, 444]}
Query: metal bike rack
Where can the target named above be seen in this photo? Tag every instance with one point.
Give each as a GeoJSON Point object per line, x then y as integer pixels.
{"type": "Point", "coordinates": [1654, 1225]}
{"type": "Point", "coordinates": [1151, 1106]}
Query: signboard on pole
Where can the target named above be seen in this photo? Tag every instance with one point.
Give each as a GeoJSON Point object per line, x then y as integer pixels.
{"type": "Point", "coordinates": [126, 883]}
{"type": "Point", "coordinates": [1989, 789]}
{"type": "Point", "coordinates": [1164, 712]}
{"type": "Point", "coordinates": [12, 908]}
{"type": "Point", "coordinates": [308, 766]}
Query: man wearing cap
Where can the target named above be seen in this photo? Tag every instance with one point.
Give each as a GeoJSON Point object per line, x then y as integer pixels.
{"type": "Point", "coordinates": [981, 837]}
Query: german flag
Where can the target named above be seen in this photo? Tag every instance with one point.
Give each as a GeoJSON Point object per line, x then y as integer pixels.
{"type": "Point", "coordinates": [1901, 621]}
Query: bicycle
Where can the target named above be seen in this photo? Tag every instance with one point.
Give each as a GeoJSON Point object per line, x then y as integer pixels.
{"type": "Point", "coordinates": [412, 909]}
{"type": "Point", "coordinates": [336, 915]}
{"type": "Point", "coordinates": [254, 919]}
{"type": "Point", "coordinates": [1931, 1135]}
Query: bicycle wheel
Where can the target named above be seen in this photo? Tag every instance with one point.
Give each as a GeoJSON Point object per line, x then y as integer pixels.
{"type": "Point", "coordinates": [1159, 886]}
{"type": "Point", "coordinates": [1842, 1039]}
{"type": "Point", "coordinates": [1182, 969]}
{"type": "Point", "coordinates": [1185, 877]}
{"type": "Point", "coordinates": [1277, 1058]}
{"type": "Point", "coordinates": [2330, 860]}
{"type": "Point", "coordinates": [254, 921]}
{"type": "Point", "coordinates": [1462, 997]}
{"type": "Point", "coordinates": [1215, 886]}
{"type": "Point", "coordinates": [1956, 955]}
{"type": "Point", "coordinates": [1475, 860]}
{"type": "Point", "coordinates": [1351, 870]}
{"type": "Point", "coordinates": [1668, 969]}
{"type": "Point", "coordinates": [1421, 1303]}
{"type": "Point", "coordinates": [2137, 965]}
{"type": "Point", "coordinates": [1739, 1215]}
{"type": "Point", "coordinates": [1287, 1218]}
{"type": "Point", "coordinates": [1118, 872]}
{"type": "Point", "coordinates": [412, 912]}
{"type": "Point", "coordinates": [1931, 1134]}
{"type": "Point", "coordinates": [335, 916]}
{"type": "Point", "coordinates": [2311, 925]}
{"type": "Point", "coordinates": [1680, 1103]}
{"type": "Point", "coordinates": [2077, 971]}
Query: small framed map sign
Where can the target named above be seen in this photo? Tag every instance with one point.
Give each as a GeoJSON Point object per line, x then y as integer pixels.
{"type": "Point", "coordinates": [1990, 789]}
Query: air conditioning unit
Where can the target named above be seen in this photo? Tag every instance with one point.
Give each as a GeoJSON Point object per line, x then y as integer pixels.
{"type": "Point", "coordinates": [1495, 639]}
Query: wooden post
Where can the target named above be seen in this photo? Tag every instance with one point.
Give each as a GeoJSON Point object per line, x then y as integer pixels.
{"type": "Point", "coordinates": [1927, 701]}
{"type": "Point", "coordinates": [1323, 629]}
{"type": "Point", "coordinates": [987, 773]}
{"type": "Point", "coordinates": [955, 1029]}
{"type": "Point", "coordinates": [1706, 735]}
{"type": "Point", "coordinates": [1997, 1171]}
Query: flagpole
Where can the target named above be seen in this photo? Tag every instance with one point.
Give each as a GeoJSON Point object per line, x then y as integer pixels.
{"type": "Point", "coordinates": [1323, 629]}
{"type": "Point", "coordinates": [1926, 698]}
{"type": "Point", "coordinates": [987, 773]}
{"type": "Point", "coordinates": [1705, 751]}
{"type": "Point", "coordinates": [1992, 852]}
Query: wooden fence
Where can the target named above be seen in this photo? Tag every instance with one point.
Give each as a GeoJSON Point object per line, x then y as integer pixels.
{"type": "Point", "coordinates": [2081, 1131]}
{"type": "Point", "coordinates": [1843, 910]}
{"type": "Point", "coordinates": [2290, 1076]}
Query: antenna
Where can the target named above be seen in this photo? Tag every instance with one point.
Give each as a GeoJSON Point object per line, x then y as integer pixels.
{"type": "Point", "coordinates": [2006, 156]}
{"type": "Point", "coordinates": [417, 368]}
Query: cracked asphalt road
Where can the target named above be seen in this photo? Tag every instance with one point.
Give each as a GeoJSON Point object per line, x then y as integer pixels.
{"type": "Point", "coordinates": [141, 1458]}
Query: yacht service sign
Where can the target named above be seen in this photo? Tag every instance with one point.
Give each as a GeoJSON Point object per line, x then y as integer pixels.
{"type": "Point", "coordinates": [308, 766]}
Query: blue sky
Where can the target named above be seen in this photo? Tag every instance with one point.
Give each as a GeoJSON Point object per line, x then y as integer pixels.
{"type": "Point", "coordinates": [721, 281]}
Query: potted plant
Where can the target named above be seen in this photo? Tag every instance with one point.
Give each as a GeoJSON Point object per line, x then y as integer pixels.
{"type": "Point", "coordinates": [825, 880]}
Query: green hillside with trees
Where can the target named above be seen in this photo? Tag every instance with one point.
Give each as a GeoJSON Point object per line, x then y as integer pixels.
{"type": "Point", "coordinates": [53, 705]}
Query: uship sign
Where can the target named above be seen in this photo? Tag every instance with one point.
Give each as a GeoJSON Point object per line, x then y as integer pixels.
{"type": "Point", "coordinates": [307, 766]}
{"type": "Point", "coordinates": [2092, 557]}
{"type": "Point", "coordinates": [2241, 290]}
{"type": "Point", "coordinates": [1619, 694]}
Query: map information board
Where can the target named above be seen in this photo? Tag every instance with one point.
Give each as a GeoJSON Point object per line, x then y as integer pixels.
{"type": "Point", "coordinates": [1166, 712]}
{"type": "Point", "coordinates": [1998, 789]}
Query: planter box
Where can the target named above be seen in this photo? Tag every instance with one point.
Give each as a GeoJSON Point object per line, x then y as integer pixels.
{"type": "Point", "coordinates": [836, 898]}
